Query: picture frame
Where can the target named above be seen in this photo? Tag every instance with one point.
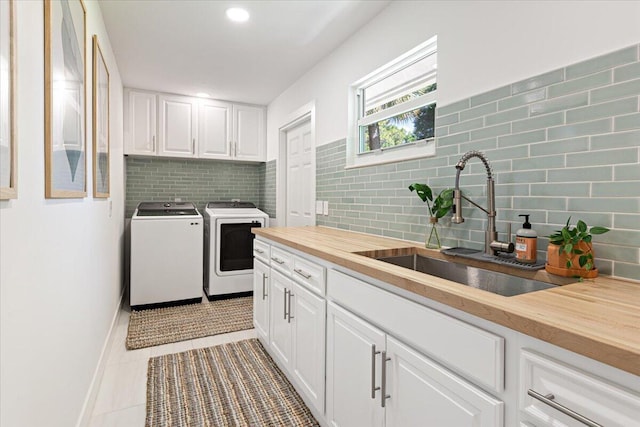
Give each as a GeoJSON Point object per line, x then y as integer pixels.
{"type": "Point", "coordinates": [8, 140]}
{"type": "Point", "coordinates": [65, 98]}
{"type": "Point", "coordinates": [101, 163]}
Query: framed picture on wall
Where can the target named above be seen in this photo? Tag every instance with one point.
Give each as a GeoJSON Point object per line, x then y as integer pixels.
{"type": "Point", "coordinates": [8, 144]}
{"type": "Point", "coordinates": [65, 98]}
{"type": "Point", "coordinates": [100, 123]}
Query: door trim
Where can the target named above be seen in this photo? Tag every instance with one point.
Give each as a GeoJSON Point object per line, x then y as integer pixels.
{"type": "Point", "coordinates": [305, 113]}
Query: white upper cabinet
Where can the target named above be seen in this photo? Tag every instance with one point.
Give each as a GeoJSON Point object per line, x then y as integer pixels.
{"type": "Point", "coordinates": [214, 129]}
{"type": "Point", "coordinates": [140, 123]}
{"type": "Point", "coordinates": [177, 126]}
{"type": "Point", "coordinates": [180, 126]}
{"type": "Point", "coordinates": [249, 132]}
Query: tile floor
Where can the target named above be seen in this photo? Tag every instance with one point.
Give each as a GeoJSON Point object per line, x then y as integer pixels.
{"type": "Point", "coordinates": [121, 397]}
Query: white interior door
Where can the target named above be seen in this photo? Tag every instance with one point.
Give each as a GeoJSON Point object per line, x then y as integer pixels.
{"type": "Point", "coordinates": [301, 171]}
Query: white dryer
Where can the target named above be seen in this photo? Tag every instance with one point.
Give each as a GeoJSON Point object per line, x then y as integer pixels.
{"type": "Point", "coordinates": [166, 254]}
{"type": "Point", "coordinates": [228, 247]}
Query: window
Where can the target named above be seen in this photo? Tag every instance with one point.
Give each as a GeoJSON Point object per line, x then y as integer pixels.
{"type": "Point", "coordinates": [393, 110]}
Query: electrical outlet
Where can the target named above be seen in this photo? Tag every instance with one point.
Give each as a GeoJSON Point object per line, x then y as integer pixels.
{"type": "Point", "coordinates": [325, 207]}
{"type": "Point", "coordinates": [319, 207]}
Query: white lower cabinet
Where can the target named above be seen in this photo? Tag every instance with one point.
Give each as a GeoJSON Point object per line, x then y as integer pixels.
{"type": "Point", "coordinates": [422, 393]}
{"type": "Point", "coordinates": [556, 394]}
{"type": "Point", "coordinates": [375, 380]}
{"type": "Point", "coordinates": [353, 362]}
{"type": "Point", "coordinates": [297, 335]}
{"type": "Point", "coordinates": [261, 274]}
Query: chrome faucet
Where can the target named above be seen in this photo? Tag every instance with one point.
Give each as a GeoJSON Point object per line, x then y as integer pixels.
{"type": "Point", "coordinates": [491, 243]}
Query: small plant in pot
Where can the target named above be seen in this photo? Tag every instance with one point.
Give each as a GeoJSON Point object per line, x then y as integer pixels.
{"type": "Point", "coordinates": [437, 207]}
{"type": "Point", "coordinates": [570, 251]}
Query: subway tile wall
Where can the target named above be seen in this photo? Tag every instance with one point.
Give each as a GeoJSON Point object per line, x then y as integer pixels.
{"type": "Point", "coordinates": [268, 193]}
{"type": "Point", "coordinates": [564, 143]}
{"type": "Point", "coordinates": [198, 181]}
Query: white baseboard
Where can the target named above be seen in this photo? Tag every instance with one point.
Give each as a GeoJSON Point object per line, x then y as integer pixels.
{"type": "Point", "coordinates": [92, 394]}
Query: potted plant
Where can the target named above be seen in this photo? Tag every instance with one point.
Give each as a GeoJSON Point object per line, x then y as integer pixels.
{"type": "Point", "coordinates": [570, 251]}
{"type": "Point", "coordinates": [437, 207]}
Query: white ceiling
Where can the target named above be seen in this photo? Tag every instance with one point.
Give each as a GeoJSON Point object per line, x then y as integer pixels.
{"type": "Point", "coordinates": [189, 46]}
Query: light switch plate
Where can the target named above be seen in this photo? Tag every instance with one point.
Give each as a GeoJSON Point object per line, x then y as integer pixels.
{"type": "Point", "coordinates": [325, 207]}
{"type": "Point", "coordinates": [319, 207]}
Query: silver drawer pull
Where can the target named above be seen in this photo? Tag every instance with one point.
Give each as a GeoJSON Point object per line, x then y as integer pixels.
{"type": "Point", "coordinates": [302, 273]}
{"type": "Point", "coordinates": [289, 316]}
{"type": "Point", "coordinates": [264, 286]}
{"type": "Point", "coordinates": [383, 381]}
{"type": "Point", "coordinates": [260, 251]}
{"type": "Point", "coordinates": [278, 260]}
{"type": "Point", "coordinates": [286, 292]}
{"type": "Point", "coordinates": [373, 371]}
{"type": "Point", "coordinates": [548, 400]}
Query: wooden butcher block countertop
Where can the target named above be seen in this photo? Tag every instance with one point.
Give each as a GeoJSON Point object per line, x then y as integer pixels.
{"type": "Point", "coordinates": [598, 318]}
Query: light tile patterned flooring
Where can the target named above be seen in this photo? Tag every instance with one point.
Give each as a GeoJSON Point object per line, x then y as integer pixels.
{"type": "Point", "coordinates": [121, 397]}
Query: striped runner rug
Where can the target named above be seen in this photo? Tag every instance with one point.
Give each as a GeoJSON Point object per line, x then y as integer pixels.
{"type": "Point", "coordinates": [186, 322]}
{"type": "Point", "coordinates": [229, 385]}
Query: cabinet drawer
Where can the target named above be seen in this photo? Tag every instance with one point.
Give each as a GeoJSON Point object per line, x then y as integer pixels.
{"type": "Point", "coordinates": [470, 351]}
{"type": "Point", "coordinates": [309, 273]}
{"type": "Point", "coordinates": [591, 397]}
{"type": "Point", "coordinates": [262, 251]}
{"type": "Point", "coordinates": [281, 260]}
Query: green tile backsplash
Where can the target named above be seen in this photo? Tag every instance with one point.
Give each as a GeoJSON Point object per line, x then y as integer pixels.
{"type": "Point", "coordinates": [564, 143]}
{"type": "Point", "coordinates": [197, 181]}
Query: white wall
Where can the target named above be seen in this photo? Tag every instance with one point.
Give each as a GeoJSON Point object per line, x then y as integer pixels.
{"type": "Point", "coordinates": [481, 46]}
{"type": "Point", "coordinates": [60, 260]}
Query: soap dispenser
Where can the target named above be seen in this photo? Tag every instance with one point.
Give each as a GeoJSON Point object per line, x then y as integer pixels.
{"type": "Point", "coordinates": [526, 242]}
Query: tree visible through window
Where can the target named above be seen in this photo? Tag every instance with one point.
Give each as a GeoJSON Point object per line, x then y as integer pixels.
{"type": "Point", "coordinates": [406, 127]}
{"type": "Point", "coordinates": [397, 105]}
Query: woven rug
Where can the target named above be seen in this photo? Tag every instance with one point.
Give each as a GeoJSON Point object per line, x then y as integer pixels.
{"type": "Point", "coordinates": [186, 322]}
{"type": "Point", "coordinates": [229, 385]}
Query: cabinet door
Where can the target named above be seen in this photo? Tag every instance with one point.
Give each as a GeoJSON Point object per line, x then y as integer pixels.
{"type": "Point", "coordinates": [423, 393]}
{"type": "Point", "coordinates": [214, 129]}
{"type": "Point", "coordinates": [308, 313]}
{"type": "Point", "coordinates": [261, 299]}
{"type": "Point", "coordinates": [177, 119]}
{"type": "Point", "coordinates": [279, 324]}
{"type": "Point", "coordinates": [249, 133]}
{"type": "Point", "coordinates": [141, 123]}
{"type": "Point", "coordinates": [353, 371]}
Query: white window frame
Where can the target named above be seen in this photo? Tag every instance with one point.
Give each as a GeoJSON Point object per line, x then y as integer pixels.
{"type": "Point", "coordinates": [423, 148]}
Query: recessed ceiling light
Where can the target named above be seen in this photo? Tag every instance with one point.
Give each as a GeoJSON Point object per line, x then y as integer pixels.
{"type": "Point", "coordinates": [237, 14]}
{"type": "Point", "coordinates": [203, 95]}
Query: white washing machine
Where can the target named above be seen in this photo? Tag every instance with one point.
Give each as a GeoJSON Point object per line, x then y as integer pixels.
{"type": "Point", "coordinates": [166, 254]}
{"type": "Point", "coordinates": [228, 247]}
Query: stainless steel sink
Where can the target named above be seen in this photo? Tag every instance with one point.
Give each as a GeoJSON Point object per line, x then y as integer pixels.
{"type": "Point", "coordinates": [492, 281]}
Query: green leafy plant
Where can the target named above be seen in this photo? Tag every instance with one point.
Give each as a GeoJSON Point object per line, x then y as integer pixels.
{"type": "Point", "coordinates": [442, 202]}
{"type": "Point", "coordinates": [569, 240]}
{"type": "Point", "coordinates": [437, 207]}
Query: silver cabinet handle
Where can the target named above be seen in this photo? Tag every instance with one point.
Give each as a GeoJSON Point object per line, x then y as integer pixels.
{"type": "Point", "coordinates": [278, 260]}
{"type": "Point", "coordinates": [373, 371]}
{"type": "Point", "coordinates": [260, 251]}
{"type": "Point", "coordinates": [383, 381]}
{"type": "Point", "coordinates": [286, 292]}
{"type": "Point", "coordinates": [264, 286]}
{"type": "Point", "coordinates": [302, 273]}
{"type": "Point", "coordinates": [193, 146]}
{"type": "Point", "coordinates": [548, 400]}
{"type": "Point", "coordinates": [289, 316]}
{"type": "Point", "coordinates": [153, 139]}
{"type": "Point", "coordinates": [231, 148]}
{"type": "Point", "coordinates": [235, 149]}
